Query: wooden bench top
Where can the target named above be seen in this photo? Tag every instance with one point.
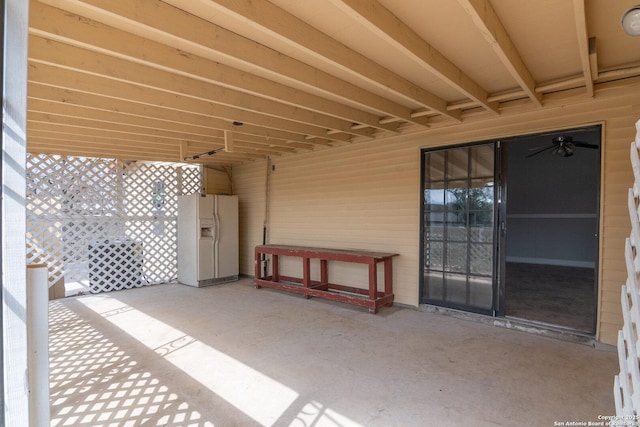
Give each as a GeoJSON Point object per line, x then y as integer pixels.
{"type": "Point", "coordinates": [324, 253]}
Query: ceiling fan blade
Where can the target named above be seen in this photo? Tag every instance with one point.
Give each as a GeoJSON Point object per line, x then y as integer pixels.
{"type": "Point", "coordinates": [585, 145]}
{"type": "Point", "coordinates": [540, 150]}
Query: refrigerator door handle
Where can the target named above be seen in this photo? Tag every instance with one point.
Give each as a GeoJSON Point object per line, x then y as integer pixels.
{"type": "Point", "coordinates": [217, 230]}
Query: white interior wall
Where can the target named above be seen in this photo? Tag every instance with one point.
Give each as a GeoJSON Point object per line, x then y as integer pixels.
{"type": "Point", "coordinates": [552, 202]}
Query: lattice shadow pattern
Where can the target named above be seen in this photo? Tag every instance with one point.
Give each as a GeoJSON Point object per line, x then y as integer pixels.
{"type": "Point", "coordinates": [128, 395]}
{"type": "Point", "coordinates": [81, 210]}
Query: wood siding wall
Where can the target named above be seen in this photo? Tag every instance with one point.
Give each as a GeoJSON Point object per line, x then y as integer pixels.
{"type": "Point", "coordinates": [216, 181]}
{"type": "Point", "coordinates": [367, 195]}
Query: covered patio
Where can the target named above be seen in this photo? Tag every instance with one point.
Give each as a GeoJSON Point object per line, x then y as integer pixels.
{"type": "Point", "coordinates": [233, 355]}
{"type": "Point", "coordinates": [363, 125]}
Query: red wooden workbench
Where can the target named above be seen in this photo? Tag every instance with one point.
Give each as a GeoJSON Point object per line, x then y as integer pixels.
{"type": "Point", "coordinates": [371, 297]}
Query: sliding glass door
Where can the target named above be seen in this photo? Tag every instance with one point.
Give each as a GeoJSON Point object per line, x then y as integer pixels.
{"type": "Point", "coordinates": [458, 230]}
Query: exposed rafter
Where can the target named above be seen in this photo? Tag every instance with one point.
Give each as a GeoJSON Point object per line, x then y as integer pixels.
{"type": "Point", "coordinates": [166, 79]}
{"type": "Point", "coordinates": [165, 24]}
{"type": "Point", "coordinates": [52, 23]}
{"type": "Point", "coordinates": [99, 71]}
{"type": "Point", "coordinates": [284, 25]}
{"type": "Point", "coordinates": [583, 44]}
{"type": "Point", "coordinates": [487, 21]}
{"type": "Point", "coordinates": [380, 20]}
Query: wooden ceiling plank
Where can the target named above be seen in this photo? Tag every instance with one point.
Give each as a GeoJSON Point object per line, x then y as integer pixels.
{"type": "Point", "coordinates": [487, 21]}
{"type": "Point", "coordinates": [39, 118]}
{"type": "Point", "coordinates": [249, 145]}
{"type": "Point", "coordinates": [55, 129]}
{"type": "Point", "coordinates": [56, 91]}
{"type": "Point", "coordinates": [112, 118]}
{"type": "Point", "coordinates": [583, 44]}
{"type": "Point", "coordinates": [222, 157]}
{"type": "Point", "coordinates": [384, 23]}
{"type": "Point", "coordinates": [59, 112]}
{"type": "Point", "coordinates": [288, 27]}
{"type": "Point", "coordinates": [78, 134]}
{"type": "Point", "coordinates": [183, 31]}
{"type": "Point", "coordinates": [53, 52]}
{"type": "Point", "coordinates": [120, 142]}
{"type": "Point", "coordinates": [134, 80]}
{"type": "Point", "coordinates": [272, 142]}
{"type": "Point", "coordinates": [593, 58]}
{"type": "Point", "coordinates": [217, 161]}
{"type": "Point", "coordinates": [88, 152]}
{"type": "Point", "coordinates": [89, 147]}
{"type": "Point", "coordinates": [54, 24]}
{"type": "Point", "coordinates": [148, 152]}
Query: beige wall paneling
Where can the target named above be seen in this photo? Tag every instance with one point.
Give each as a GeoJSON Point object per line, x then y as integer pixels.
{"type": "Point", "coordinates": [367, 195]}
{"type": "Point", "coordinates": [216, 181]}
{"type": "Point", "coordinates": [249, 185]}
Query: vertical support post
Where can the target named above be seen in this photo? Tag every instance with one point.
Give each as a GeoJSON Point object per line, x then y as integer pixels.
{"type": "Point", "coordinates": [13, 378]}
{"type": "Point", "coordinates": [38, 343]}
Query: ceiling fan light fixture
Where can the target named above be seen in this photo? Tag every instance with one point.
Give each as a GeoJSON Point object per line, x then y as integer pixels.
{"type": "Point", "coordinates": [631, 21]}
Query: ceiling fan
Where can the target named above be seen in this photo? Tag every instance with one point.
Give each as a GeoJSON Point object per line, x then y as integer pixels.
{"type": "Point", "coordinates": [562, 146]}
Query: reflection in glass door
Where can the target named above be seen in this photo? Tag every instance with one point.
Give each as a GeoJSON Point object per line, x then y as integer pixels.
{"type": "Point", "coordinates": [458, 228]}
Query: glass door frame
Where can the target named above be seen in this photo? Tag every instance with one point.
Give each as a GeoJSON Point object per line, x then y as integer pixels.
{"type": "Point", "coordinates": [501, 171]}
{"type": "Point", "coordinates": [500, 220]}
{"type": "Point", "coordinates": [497, 290]}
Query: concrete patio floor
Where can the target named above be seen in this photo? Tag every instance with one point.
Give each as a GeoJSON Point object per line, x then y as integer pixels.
{"type": "Point", "coordinates": [232, 355]}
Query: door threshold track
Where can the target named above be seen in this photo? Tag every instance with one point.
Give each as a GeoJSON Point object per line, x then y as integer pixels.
{"type": "Point", "coordinates": [532, 327]}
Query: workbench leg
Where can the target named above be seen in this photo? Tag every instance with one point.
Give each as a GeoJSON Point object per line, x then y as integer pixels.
{"type": "Point", "coordinates": [388, 278]}
{"type": "Point", "coordinates": [275, 268]}
{"type": "Point", "coordinates": [324, 275]}
{"type": "Point", "coordinates": [306, 274]}
{"type": "Point", "coordinates": [256, 271]}
{"type": "Point", "coordinates": [373, 281]}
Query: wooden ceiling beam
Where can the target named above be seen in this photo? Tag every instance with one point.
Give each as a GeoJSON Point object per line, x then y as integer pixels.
{"type": "Point", "coordinates": [122, 79]}
{"type": "Point", "coordinates": [487, 21]}
{"type": "Point", "coordinates": [53, 108]}
{"type": "Point", "coordinates": [103, 135]}
{"type": "Point", "coordinates": [187, 33]}
{"type": "Point", "coordinates": [88, 150]}
{"type": "Point", "coordinates": [39, 118]}
{"type": "Point", "coordinates": [583, 44]}
{"type": "Point", "coordinates": [229, 101]}
{"type": "Point", "coordinates": [120, 143]}
{"type": "Point", "coordinates": [93, 148]}
{"type": "Point", "coordinates": [65, 113]}
{"type": "Point", "coordinates": [148, 102]}
{"type": "Point", "coordinates": [79, 133]}
{"type": "Point", "coordinates": [385, 24]}
{"type": "Point", "coordinates": [287, 26]}
{"type": "Point", "coordinates": [54, 24]}
{"type": "Point", "coordinates": [192, 150]}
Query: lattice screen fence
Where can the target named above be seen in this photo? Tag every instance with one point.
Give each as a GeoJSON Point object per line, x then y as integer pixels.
{"type": "Point", "coordinates": [627, 383]}
{"type": "Point", "coordinates": [105, 222]}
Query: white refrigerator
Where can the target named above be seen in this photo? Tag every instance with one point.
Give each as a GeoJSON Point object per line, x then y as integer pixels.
{"type": "Point", "coordinates": [207, 239]}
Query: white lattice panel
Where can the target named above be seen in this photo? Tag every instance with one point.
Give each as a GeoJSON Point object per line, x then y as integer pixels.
{"type": "Point", "coordinates": [115, 265]}
{"type": "Point", "coordinates": [627, 383]}
{"type": "Point", "coordinates": [73, 203]}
